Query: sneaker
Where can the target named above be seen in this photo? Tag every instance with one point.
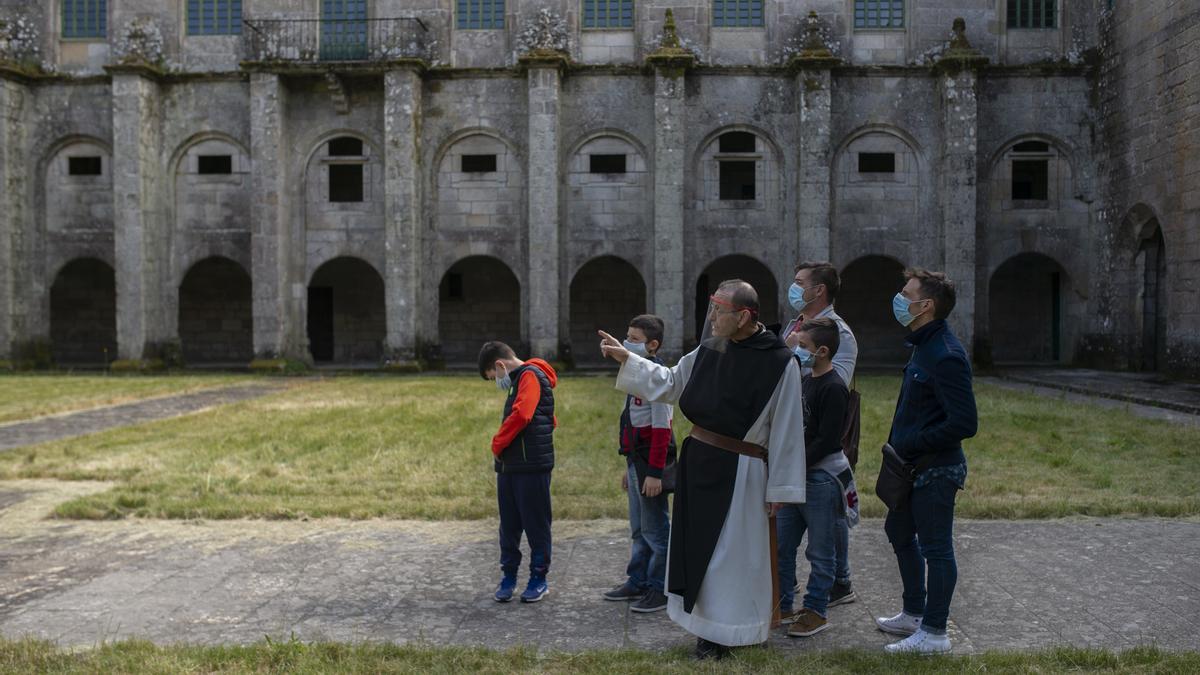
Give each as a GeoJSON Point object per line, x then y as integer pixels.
{"type": "Point", "coordinates": [807, 623]}
{"type": "Point", "coordinates": [787, 616]}
{"type": "Point", "coordinates": [536, 590]}
{"type": "Point", "coordinates": [920, 642]}
{"type": "Point", "coordinates": [841, 594]}
{"type": "Point", "coordinates": [652, 601]}
{"type": "Point", "coordinates": [624, 592]}
{"type": "Point", "coordinates": [901, 624]}
{"type": "Point", "coordinates": [706, 650]}
{"type": "Point", "coordinates": [504, 591]}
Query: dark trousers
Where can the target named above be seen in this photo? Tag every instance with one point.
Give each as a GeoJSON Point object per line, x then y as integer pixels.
{"type": "Point", "coordinates": [921, 536]}
{"type": "Point", "coordinates": [524, 500]}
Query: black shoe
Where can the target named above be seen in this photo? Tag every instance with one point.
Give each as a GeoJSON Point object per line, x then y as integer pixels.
{"type": "Point", "coordinates": [706, 649]}
{"type": "Point", "coordinates": [652, 601]}
{"type": "Point", "coordinates": [841, 594]}
{"type": "Point", "coordinates": [624, 592]}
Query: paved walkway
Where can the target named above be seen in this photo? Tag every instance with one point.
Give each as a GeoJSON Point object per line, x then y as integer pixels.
{"type": "Point", "coordinates": [1023, 585]}
{"type": "Point", "coordinates": [1149, 389]}
{"type": "Point", "coordinates": [67, 425]}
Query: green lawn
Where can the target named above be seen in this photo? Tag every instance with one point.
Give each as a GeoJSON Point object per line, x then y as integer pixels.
{"type": "Point", "coordinates": [28, 656]}
{"type": "Point", "coordinates": [417, 447]}
{"type": "Point", "coordinates": [26, 396]}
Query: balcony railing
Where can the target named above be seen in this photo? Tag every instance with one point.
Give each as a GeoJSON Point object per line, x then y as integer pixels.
{"type": "Point", "coordinates": [316, 40]}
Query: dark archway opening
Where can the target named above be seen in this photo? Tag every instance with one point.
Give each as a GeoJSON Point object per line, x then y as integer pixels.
{"type": "Point", "coordinates": [605, 294]}
{"type": "Point", "coordinates": [83, 313]}
{"type": "Point", "coordinates": [346, 313]}
{"type": "Point", "coordinates": [216, 313]}
{"type": "Point", "coordinates": [865, 302]}
{"type": "Point", "coordinates": [1026, 310]}
{"type": "Point", "coordinates": [479, 299]}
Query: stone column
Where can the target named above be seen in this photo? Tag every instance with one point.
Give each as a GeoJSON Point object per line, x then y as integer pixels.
{"type": "Point", "coordinates": [814, 84]}
{"type": "Point", "coordinates": [276, 307]}
{"type": "Point", "coordinates": [13, 214]}
{"type": "Point", "coordinates": [545, 86]}
{"type": "Point", "coordinates": [957, 87]}
{"type": "Point", "coordinates": [402, 204]}
{"type": "Point", "coordinates": [140, 235]}
{"type": "Point", "coordinates": [670, 62]}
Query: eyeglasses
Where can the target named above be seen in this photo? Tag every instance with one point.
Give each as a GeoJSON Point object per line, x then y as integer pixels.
{"type": "Point", "coordinates": [721, 306]}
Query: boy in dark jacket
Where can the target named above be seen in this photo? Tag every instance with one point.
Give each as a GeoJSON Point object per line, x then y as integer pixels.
{"type": "Point", "coordinates": [524, 457]}
{"type": "Point", "coordinates": [647, 445]}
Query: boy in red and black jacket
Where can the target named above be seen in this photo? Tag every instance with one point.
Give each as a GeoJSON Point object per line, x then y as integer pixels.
{"type": "Point", "coordinates": [648, 445]}
{"type": "Point", "coordinates": [524, 457]}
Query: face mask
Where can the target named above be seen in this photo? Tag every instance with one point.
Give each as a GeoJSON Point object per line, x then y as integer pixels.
{"type": "Point", "coordinates": [504, 383]}
{"type": "Point", "coordinates": [638, 348]}
{"type": "Point", "coordinates": [807, 358]}
{"type": "Point", "coordinates": [796, 298]}
{"type": "Point", "coordinates": [900, 305]}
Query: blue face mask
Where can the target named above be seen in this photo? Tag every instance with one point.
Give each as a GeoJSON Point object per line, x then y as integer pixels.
{"type": "Point", "coordinates": [796, 298]}
{"type": "Point", "coordinates": [900, 305]}
{"type": "Point", "coordinates": [638, 348]}
{"type": "Point", "coordinates": [504, 383]}
{"type": "Point", "coordinates": [807, 358]}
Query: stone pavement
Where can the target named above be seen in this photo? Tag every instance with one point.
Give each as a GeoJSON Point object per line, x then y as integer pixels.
{"type": "Point", "coordinates": [1151, 389]}
{"type": "Point", "coordinates": [1107, 583]}
{"type": "Point", "coordinates": [66, 425]}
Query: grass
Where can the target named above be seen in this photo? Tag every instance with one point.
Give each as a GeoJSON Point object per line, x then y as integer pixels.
{"type": "Point", "coordinates": [292, 656]}
{"type": "Point", "coordinates": [364, 447]}
{"type": "Point", "coordinates": [27, 396]}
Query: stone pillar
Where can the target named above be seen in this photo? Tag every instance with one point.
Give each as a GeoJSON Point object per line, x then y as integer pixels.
{"type": "Point", "coordinates": [403, 200]}
{"type": "Point", "coordinates": [14, 169]}
{"type": "Point", "coordinates": [670, 62]}
{"type": "Point", "coordinates": [277, 301]}
{"type": "Point", "coordinates": [140, 235]}
{"type": "Point", "coordinates": [545, 85]}
{"type": "Point", "coordinates": [814, 83]}
{"type": "Point", "coordinates": [958, 98]}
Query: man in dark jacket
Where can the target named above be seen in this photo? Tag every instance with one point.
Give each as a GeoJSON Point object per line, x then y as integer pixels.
{"type": "Point", "coordinates": [934, 413]}
{"type": "Point", "coordinates": [524, 457]}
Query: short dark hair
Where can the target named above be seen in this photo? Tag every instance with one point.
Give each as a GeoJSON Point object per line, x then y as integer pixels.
{"type": "Point", "coordinates": [824, 333]}
{"type": "Point", "coordinates": [823, 273]}
{"type": "Point", "coordinates": [936, 287]}
{"type": "Point", "coordinates": [649, 324]}
{"type": "Point", "coordinates": [491, 353]}
{"type": "Point", "coordinates": [742, 295]}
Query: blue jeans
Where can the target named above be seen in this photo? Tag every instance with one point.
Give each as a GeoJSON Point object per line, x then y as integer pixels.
{"type": "Point", "coordinates": [818, 515]}
{"type": "Point", "coordinates": [842, 546]}
{"type": "Point", "coordinates": [921, 536]}
{"type": "Point", "coordinates": [650, 524]}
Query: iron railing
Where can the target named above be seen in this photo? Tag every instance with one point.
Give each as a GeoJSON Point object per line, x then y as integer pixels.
{"type": "Point", "coordinates": [335, 39]}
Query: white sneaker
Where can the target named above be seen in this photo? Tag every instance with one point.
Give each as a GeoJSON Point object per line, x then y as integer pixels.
{"type": "Point", "coordinates": [920, 642]}
{"type": "Point", "coordinates": [901, 624]}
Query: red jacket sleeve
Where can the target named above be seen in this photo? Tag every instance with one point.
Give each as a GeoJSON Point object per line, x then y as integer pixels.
{"type": "Point", "coordinates": [529, 394]}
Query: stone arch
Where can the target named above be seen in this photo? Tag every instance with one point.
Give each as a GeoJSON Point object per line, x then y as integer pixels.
{"type": "Point", "coordinates": [877, 206]}
{"type": "Point", "coordinates": [83, 201]}
{"type": "Point", "coordinates": [347, 314]}
{"type": "Point", "coordinates": [769, 167]}
{"type": "Point", "coordinates": [204, 195]}
{"type": "Point", "coordinates": [83, 313]}
{"type": "Point", "coordinates": [601, 204]}
{"type": "Point", "coordinates": [216, 312]}
{"type": "Point", "coordinates": [475, 197]}
{"type": "Point", "coordinates": [865, 302]}
{"type": "Point", "coordinates": [479, 299]}
{"type": "Point", "coordinates": [1143, 257]}
{"type": "Point", "coordinates": [327, 205]}
{"type": "Point", "coordinates": [737, 266]}
{"type": "Point", "coordinates": [606, 292]}
{"type": "Point", "coordinates": [1033, 311]}
{"type": "Point", "coordinates": [1060, 173]}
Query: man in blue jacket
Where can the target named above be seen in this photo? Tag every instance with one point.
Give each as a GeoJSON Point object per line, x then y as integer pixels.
{"type": "Point", "coordinates": [934, 413]}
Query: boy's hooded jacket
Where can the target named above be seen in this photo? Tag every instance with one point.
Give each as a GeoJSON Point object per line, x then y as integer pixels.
{"type": "Point", "coordinates": [525, 441]}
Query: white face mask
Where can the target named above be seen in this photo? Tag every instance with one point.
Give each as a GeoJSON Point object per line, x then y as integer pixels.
{"type": "Point", "coordinates": [638, 348]}
{"type": "Point", "coordinates": [504, 383]}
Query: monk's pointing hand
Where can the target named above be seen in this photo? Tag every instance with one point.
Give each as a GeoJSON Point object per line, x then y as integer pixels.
{"type": "Point", "coordinates": [611, 347]}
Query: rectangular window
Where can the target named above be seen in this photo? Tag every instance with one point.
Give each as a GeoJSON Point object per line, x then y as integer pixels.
{"type": "Point", "coordinates": [84, 18]}
{"type": "Point", "coordinates": [345, 182]}
{"type": "Point", "coordinates": [608, 13]}
{"type": "Point", "coordinates": [736, 141]}
{"type": "Point", "coordinates": [1030, 179]}
{"type": "Point", "coordinates": [607, 163]}
{"type": "Point", "coordinates": [1032, 13]}
{"type": "Point", "coordinates": [346, 146]}
{"type": "Point", "coordinates": [478, 163]}
{"type": "Point", "coordinates": [737, 13]}
{"type": "Point", "coordinates": [214, 17]}
{"type": "Point", "coordinates": [84, 166]}
{"type": "Point", "coordinates": [737, 180]}
{"type": "Point", "coordinates": [878, 13]}
{"type": "Point", "coordinates": [214, 164]}
{"type": "Point", "coordinates": [877, 162]}
{"type": "Point", "coordinates": [480, 14]}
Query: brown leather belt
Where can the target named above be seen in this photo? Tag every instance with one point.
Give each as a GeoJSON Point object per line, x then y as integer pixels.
{"type": "Point", "coordinates": [728, 443]}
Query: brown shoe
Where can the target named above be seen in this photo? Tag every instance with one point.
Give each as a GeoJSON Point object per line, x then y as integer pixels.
{"type": "Point", "coordinates": [787, 616]}
{"type": "Point", "coordinates": [806, 623]}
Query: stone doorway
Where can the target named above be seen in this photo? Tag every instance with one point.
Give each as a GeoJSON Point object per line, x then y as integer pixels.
{"type": "Point", "coordinates": [605, 294]}
{"type": "Point", "coordinates": [346, 313]}
{"type": "Point", "coordinates": [83, 314]}
{"type": "Point", "coordinates": [479, 299]}
{"type": "Point", "coordinates": [216, 313]}
{"type": "Point", "coordinates": [1028, 298]}
{"type": "Point", "coordinates": [865, 302]}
